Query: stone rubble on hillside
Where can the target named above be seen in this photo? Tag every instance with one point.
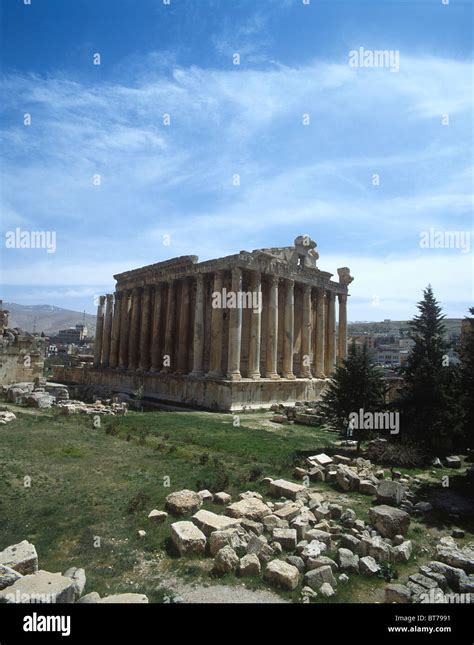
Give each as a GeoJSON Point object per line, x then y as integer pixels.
{"type": "Point", "coordinates": [22, 582]}
{"type": "Point", "coordinates": [44, 394]}
{"type": "Point", "coordinates": [286, 541]}
{"type": "Point", "coordinates": [448, 579]}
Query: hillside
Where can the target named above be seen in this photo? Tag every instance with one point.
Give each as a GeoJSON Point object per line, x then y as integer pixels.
{"type": "Point", "coordinates": [48, 318]}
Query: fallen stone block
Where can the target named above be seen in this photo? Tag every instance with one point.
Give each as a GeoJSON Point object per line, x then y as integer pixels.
{"type": "Point", "coordinates": [157, 516]}
{"type": "Point", "coordinates": [402, 552]}
{"type": "Point", "coordinates": [287, 512]}
{"type": "Point", "coordinates": [187, 538]}
{"type": "Point", "coordinates": [226, 561]}
{"type": "Point", "coordinates": [250, 525]}
{"type": "Point", "coordinates": [398, 594]}
{"type": "Point", "coordinates": [8, 576]}
{"type": "Point", "coordinates": [40, 587]}
{"type": "Point", "coordinates": [321, 561]}
{"type": "Point", "coordinates": [286, 537]}
{"type": "Point", "coordinates": [249, 565]}
{"type": "Point", "coordinates": [209, 522]}
{"type": "Point", "coordinates": [283, 488]}
{"type": "Point", "coordinates": [348, 561]}
{"type": "Point", "coordinates": [257, 546]}
{"type": "Point", "coordinates": [423, 581]}
{"type": "Point", "coordinates": [313, 549]}
{"type": "Point", "coordinates": [252, 508]}
{"type": "Point", "coordinates": [183, 502]}
{"type": "Point", "coordinates": [227, 537]}
{"type": "Point", "coordinates": [347, 479]}
{"type": "Point", "coordinates": [125, 599]}
{"type": "Point", "coordinates": [367, 487]}
{"type": "Point", "coordinates": [390, 492]}
{"type": "Point", "coordinates": [21, 557]}
{"type": "Point", "coordinates": [89, 598]}
{"type": "Point", "coordinates": [78, 576]}
{"type": "Point", "coordinates": [282, 574]}
{"type": "Point", "coordinates": [321, 460]}
{"type": "Point", "coordinates": [317, 577]}
{"type": "Point", "coordinates": [389, 521]}
{"type": "Point", "coordinates": [368, 566]}
{"type": "Point", "coordinates": [205, 495]}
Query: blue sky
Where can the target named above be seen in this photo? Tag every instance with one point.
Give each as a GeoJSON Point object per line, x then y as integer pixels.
{"type": "Point", "coordinates": [176, 180]}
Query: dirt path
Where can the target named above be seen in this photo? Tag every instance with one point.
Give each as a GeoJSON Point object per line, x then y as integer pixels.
{"type": "Point", "coordinates": [222, 594]}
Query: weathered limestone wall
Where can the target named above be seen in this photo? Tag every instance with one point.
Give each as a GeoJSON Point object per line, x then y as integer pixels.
{"type": "Point", "coordinates": [215, 394]}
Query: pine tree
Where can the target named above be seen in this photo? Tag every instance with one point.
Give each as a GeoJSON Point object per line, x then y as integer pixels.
{"type": "Point", "coordinates": [427, 399]}
{"type": "Point", "coordinates": [356, 384]}
{"type": "Point", "coordinates": [467, 382]}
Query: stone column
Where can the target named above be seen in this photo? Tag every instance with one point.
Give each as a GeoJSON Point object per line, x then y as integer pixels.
{"type": "Point", "coordinates": [255, 327]}
{"type": "Point", "coordinates": [289, 332]}
{"type": "Point", "coordinates": [342, 328]}
{"type": "Point", "coordinates": [99, 332]}
{"type": "Point", "coordinates": [320, 334]}
{"type": "Point", "coordinates": [272, 330]}
{"type": "Point", "coordinates": [124, 329]}
{"type": "Point", "coordinates": [156, 331]}
{"type": "Point", "coordinates": [183, 330]}
{"type": "Point", "coordinates": [114, 345]}
{"type": "Point", "coordinates": [235, 329]}
{"type": "Point", "coordinates": [169, 331]}
{"type": "Point", "coordinates": [107, 336]}
{"type": "Point", "coordinates": [331, 334]}
{"type": "Point", "coordinates": [198, 341]}
{"type": "Point", "coordinates": [134, 337]}
{"type": "Point", "coordinates": [306, 334]}
{"type": "Point", "coordinates": [215, 361]}
{"type": "Point", "coordinates": [144, 363]}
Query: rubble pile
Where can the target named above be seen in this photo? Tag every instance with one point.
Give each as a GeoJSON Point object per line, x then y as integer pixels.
{"type": "Point", "coordinates": [22, 582]}
{"type": "Point", "coordinates": [295, 539]}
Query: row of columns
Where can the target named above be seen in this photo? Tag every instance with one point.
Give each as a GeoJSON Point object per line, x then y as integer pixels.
{"type": "Point", "coordinates": [129, 331]}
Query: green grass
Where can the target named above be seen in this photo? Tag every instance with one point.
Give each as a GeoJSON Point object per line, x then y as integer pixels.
{"type": "Point", "coordinates": [91, 489]}
{"type": "Point", "coordinates": [89, 483]}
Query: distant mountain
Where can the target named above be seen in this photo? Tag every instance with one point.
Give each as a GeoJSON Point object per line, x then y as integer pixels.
{"type": "Point", "coordinates": [48, 318]}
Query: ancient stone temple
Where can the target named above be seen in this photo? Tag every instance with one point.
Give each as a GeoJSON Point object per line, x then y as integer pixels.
{"type": "Point", "coordinates": [240, 332]}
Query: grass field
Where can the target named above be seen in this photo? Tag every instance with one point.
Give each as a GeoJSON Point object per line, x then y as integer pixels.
{"type": "Point", "coordinates": [81, 493]}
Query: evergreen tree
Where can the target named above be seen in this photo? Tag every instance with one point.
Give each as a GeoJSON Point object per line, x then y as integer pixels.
{"type": "Point", "coordinates": [356, 384]}
{"type": "Point", "coordinates": [427, 399]}
{"type": "Point", "coordinates": [467, 381]}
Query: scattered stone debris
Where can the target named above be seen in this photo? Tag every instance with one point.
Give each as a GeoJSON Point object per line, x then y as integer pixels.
{"type": "Point", "coordinates": [287, 541]}
{"type": "Point", "coordinates": [22, 582]}
{"type": "Point", "coordinates": [439, 581]}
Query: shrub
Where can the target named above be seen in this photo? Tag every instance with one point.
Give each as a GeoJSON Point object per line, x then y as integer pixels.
{"type": "Point", "coordinates": [407, 455]}
{"type": "Point", "coordinates": [138, 503]}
